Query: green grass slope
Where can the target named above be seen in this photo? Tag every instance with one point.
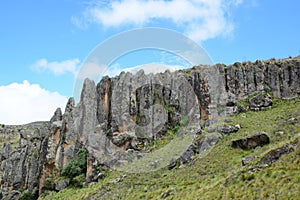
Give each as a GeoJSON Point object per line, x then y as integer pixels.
{"type": "Point", "coordinates": [219, 174]}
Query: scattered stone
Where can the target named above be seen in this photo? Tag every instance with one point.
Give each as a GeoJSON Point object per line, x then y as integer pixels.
{"type": "Point", "coordinates": [280, 133]}
{"type": "Point", "coordinates": [211, 129]}
{"type": "Point", "coordinates": [60, 185]}
{"type": "Point", "coordinates": [226, 129]}
{"type": "Point", "coordinates": [251, 142]}
{"type": "Point", "coordinates": [247, 159]}
{"type": "Point", "coordinates": [227, 120]}
{"type": "Point", "coordinates": [98, 177]}
{"type": "Point", "coordinates": [275, 154]}
{"type": "Point", "coordinates": [117, 180]}
{"type": "Point", "coordinates": [173, 163]}
{"type": "Point", "coordinates": [292, 120]}
{"type": "Point", "coordinates": [260, 102]}
{"type": "Point", "coordinates": [197, 147]}
{"type": "Point", "coordinates": [155, 163]}
{"type": "Point", "coordinates": [188, 154]}
{"type": "Point", "coordinates": [206, 143]}
{"type": "Point", "coordinates": [237, 126]}
{"type": "Point", "coordinates": [240, 109]}
{"type": "Point", "coordinates": [167, 193]}
{"type": "Point", "coordinates": [258, 147]}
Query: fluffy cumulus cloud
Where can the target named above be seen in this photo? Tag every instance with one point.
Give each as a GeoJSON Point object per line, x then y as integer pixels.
{"type": "Point", "coordinates": [25, 102]}
{"type": "Point", "coordinates": [199, 19]}
{"type": "Point", "coordinates": [58, 68]}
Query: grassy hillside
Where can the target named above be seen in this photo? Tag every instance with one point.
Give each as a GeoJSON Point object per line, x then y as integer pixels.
{"type": "Point", "coordinates": [219, 174]}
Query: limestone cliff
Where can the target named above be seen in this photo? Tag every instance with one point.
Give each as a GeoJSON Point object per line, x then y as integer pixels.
{"type": "Point", "coordinates": [119, 116]}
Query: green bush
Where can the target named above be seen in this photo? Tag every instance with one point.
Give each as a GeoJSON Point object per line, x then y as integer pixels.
{"type": "Point", "coordinates": [78, 181]}
{"type": "Point", "coordinates": [76, 166]}
{"type": "Point", "coordinates": [49, 184]}
{"type": "Point", "coordinates": [27, 196]}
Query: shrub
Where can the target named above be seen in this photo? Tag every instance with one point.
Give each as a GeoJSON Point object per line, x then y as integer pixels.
{"type": "Point", "coordinates": [78, 180]}
{"type": "Point", "coordinates": [49, 184]}
{"type": "Point", "coordinates": [27, 196]}
{"type": "Point", "coordinates": [76, 166]}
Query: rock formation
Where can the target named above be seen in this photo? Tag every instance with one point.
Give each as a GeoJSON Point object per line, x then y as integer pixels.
{"type": "Point", "coordinates": [116, 119]}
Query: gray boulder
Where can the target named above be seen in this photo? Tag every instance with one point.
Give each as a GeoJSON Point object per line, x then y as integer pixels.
{"type": "Point", "coordinates": [260, 102]}
{"type": "Point", "coordinates": [188, 154]}
{"type": "Point", "coordinates": [62, 184]}
{"type": "Point", "coordinates": [254, 141]}
{"type": "Point", "coordinates": [227, 129]}
{"type": "Point", "coordinates": [275, 154]}
{"type": "Point", "coordinates": [247, 159]}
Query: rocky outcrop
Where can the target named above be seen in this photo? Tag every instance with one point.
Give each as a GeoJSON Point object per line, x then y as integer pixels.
{"type": "Point", "coordinates": [257, 140]}
{"type": "Point", "coordinates": [260, 102]}
{"type": "Point", "coordinates": [275, 154]}
{"type": "Point", "coordinates": [22, 167]}
{"type": "Point", "coordinates": [200, 145]}
{"type": "Point", "coordinates": [227, 130]}
{"type": "Point", "coordinates": [117, 118]}
{"type": "Point", "coordinates": [60, 185]}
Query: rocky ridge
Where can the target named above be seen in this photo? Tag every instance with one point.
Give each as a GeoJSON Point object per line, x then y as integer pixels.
{"type": "Point", "coordinates": [119, 117]}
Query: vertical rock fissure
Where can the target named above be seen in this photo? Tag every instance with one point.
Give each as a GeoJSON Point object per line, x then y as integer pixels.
{"type": "Point", "coordinates": [280, 80]}
{"type": "Point", "coordinates": [226, 79]}
{"type": "Point", "coordinates": [254, 77]}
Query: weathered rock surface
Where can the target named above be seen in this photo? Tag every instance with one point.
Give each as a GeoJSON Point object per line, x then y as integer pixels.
{"type": "Point", "coordinates": [60, 185]}
{"type": "Point", "coordinates": [14, 195]}
{"type": "Point", "coordinates": [251, 142]}
{"type": "Point", "coordinates": [227, 130]}
{"type": "Point", "coordinates": [275, 154]}
{"type": "Point", "coordinates": [247, 159]}
{"type": "Point", "coordinates": [260, 102]}
{"type": "Point", "coordinates": [21, 168]}
{"type": "Point", "coordinates": [117, 118]}
{"type": "Point", "coordinates": [199, 145]}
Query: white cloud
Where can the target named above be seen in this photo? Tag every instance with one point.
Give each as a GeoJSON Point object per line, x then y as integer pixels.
{"type": "Point", "coordinates": [24, 102]}
{"type": "Point", "coordinates": [200, 19]}
{"type": "Point", "coordinates": [58, 68]}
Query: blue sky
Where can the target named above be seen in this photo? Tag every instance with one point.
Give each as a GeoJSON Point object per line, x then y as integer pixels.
{"type": "Point", "coordinates": [44, 43]}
